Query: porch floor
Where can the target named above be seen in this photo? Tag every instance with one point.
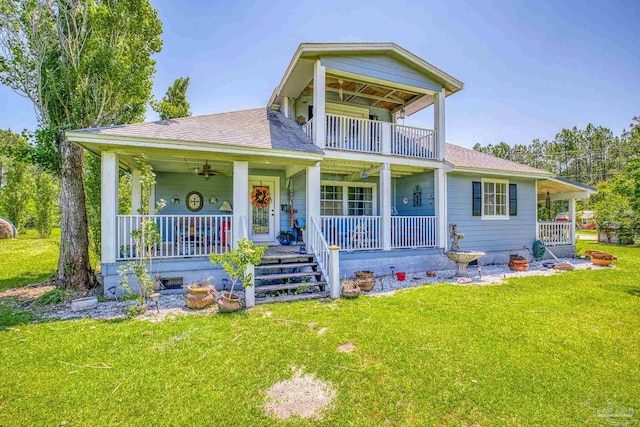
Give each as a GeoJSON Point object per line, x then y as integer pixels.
{"type": "Point", "coordinates": [276, 250]}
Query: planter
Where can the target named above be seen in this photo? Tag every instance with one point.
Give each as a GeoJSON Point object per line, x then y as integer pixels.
{"type": "Point", "coordinates": [401, 276]}
{"type": "Point", "coordinates": [601, 261]}
{"type": "Point", "coordinates": [365, 280]}
{"type": "Point", "coordinates": [228, 302]}
{"type": "Point", "coordinates": [518, 266]}
{"type": "Point", "coordinates": [350, 290]}
{"type": "Point", "coordinates": [284, 242]}
{"type": "Point", "coordinates": [600, 258]}
{"type": "Point", "coordinates": [199, 296]}
{"type": "Point", "coordinates": [82, 304]}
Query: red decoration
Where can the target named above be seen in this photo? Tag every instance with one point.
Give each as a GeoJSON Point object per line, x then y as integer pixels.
{"type": "Point", "coordinates": [260, 197]}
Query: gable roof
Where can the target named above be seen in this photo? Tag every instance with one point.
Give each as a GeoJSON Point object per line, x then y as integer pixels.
{"type": "Point", "coordinates": [464, 158]}
{"type": "Point", "coordinates": [259, 128]}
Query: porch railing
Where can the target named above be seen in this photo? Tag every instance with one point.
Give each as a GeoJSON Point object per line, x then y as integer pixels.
{"type": "Point", "coordinates": [353, 134]}
{"type": "Point", "coordinates": [413, 232]}
{"type": "Point", "coordinates": [352, 233]}
{"type": "Point", "coordinates": [413, 142]}
{"type": "Point", "coordinates": [319, 247]}
{"type": "Point", "coordinates": [308, 128]}
{"type": "Point", "coordinates": [553, 233]}
{"type": "Point", "coordinates": [181, 235]}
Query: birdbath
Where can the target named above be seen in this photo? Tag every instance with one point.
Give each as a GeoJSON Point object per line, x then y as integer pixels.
{"type": "Point", "coordinates": [462, 259]}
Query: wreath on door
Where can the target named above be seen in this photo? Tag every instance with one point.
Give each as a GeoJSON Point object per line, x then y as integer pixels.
{"type": "Point", "coordinates": [260, 197]}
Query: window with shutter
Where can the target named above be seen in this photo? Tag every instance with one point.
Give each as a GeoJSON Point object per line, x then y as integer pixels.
{"type": "Point", "coordinates": [513, 200]}
{"type": "Point", "coordinates": [477, 199]}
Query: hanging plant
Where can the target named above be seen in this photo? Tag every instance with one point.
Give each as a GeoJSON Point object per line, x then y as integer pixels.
{"type": "Point", "coordinates": [260, 197]}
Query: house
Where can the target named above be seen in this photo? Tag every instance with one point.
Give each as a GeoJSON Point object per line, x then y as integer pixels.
{"type": "Point", "coordinates": [587, 220]}
{"type": "Point", "coordinates": [330, 153]}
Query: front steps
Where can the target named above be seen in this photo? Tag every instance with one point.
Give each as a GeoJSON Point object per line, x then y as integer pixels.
{"type": "Point", "coordinates": [288, 277]}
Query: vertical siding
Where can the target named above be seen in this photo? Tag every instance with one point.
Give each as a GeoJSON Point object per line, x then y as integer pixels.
{"type": "Point", "coordinates": [404, 188]}
{"type": "Point", "coordinates": [492, 235]}
{"type": "Point", "coordinates": [381, 67]}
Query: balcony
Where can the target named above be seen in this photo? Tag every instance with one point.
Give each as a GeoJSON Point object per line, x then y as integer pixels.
{"type": "Point", "coordinates": [375, 137]}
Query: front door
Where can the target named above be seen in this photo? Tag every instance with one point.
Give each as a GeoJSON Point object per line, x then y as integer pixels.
{"type": "Point", "coordinates": [264, 215]}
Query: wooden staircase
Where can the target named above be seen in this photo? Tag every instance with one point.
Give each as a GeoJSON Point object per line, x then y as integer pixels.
{"type": "Point", "coordinates": [289, 277]}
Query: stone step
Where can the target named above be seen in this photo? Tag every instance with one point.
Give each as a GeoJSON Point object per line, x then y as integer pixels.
{"type": "Point", "coordinates": [289, 298]}
{"type": "Point", "coordinates": [289, 286]}
{"type": "Point", "coordinates": [288, 275]}
{"type": "Point", "coordinates": [286, 265]}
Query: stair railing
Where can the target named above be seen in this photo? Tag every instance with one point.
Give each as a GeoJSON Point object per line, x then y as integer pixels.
{"type": "Point", "coordinates": [326, 256]}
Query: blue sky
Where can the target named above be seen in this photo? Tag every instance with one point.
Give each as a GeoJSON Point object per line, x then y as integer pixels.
{"type": "Point", "coordinates": [530, 68]}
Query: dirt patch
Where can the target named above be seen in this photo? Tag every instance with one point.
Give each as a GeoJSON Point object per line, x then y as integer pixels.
{"type": "Point", "coordinates": [27, 293]}
{"type": "Point", "coordinates": [303, 395]}
{"type": "Point", "coordinates": [321, 331]}
{"type": "Point", "coordinates": [347, 347]}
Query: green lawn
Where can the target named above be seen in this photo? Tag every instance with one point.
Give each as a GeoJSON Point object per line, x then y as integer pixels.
{"type": "Point", "coordinates": [541, 351]}
{"type": "Point", "coordinates": [27, 259]}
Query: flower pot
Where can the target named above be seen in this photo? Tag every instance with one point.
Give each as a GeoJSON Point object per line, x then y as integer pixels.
{"type": "Point", "coordinates": [199, 296]}
{"type": "Point", "coordinates": [365, 280]}
{"type": "Point", "coordinates": [518, 266]}
{"type": "Point", "coordinates": [350, 289]}
{"type": "Point", "coordinates": [285, 242]}
{"type": "Point", "coordinates": [601, 261]}
{"type": "Point", "coordinates": [228, 302]}
{"type": "Point", "coordinates": [401, 276]}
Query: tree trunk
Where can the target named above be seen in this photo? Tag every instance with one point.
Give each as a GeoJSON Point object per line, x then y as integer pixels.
{"type": "Point", "coordinates": [74, 267]}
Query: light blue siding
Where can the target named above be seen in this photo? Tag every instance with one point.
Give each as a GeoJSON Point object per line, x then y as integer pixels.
{"type": "Point", "coordinates": [405, 186]}
{"type": "Point", "coordinates": [513, 234]}
{"type": "Point", "coordinates": [302, 109]}
{"type": "Point", "coordinates": [381, 67]}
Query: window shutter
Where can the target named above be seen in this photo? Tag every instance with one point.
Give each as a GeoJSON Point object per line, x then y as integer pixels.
{"type": "Point", "coordinates": [477, 198]}
{"type": "Point", "coordinates": [513, 200]}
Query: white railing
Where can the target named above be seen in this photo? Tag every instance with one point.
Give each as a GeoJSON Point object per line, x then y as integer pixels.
{"type": "Point", "coordinates": [413, 142]}
{"type": "Point", "coordinates": [181, 235]}
{"type": "Point", "coordinates": [413, 232]}
{"type": "Point", "coordinates": [352, 233]}
{"type": "Point", "coordinates": [353, 134]}
{"type": "Point", "coordinates": [308, 128]}
{"type": "Point", "coordinates": [553, 233]}
{"type": "Point", "coordinates": [318, 246]}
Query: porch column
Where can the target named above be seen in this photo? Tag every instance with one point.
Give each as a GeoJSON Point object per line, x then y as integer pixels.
{"type": "Point", "coordinates": [109, 205]}
{"type": "Point", "coordinates": [136, 192]}
{"type": "Point", "coordinates": [440, 199]}
{"type": "Point", "coordinates": [313, 194]}
{"type": "Point", "coordinates": [240, 201]}
{"type": "Point", "coordinates": [386, 138]}
{"type": "Point", "coordinates": [438, 122]}
{"type": "Point", "coordinates": [319, 119]}
{"type": "Point", "coordinates": [385, 206]}
{"type": "Point", "coordinates": [572, 219]}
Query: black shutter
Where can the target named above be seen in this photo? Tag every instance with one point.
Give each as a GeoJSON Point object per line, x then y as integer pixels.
{"type": "Point", "coordinates": [513, 200]}
{"type": "Point", "coordinates": [477, 198]}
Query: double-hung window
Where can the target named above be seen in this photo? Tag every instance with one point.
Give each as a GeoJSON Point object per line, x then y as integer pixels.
{"type": "Point", "coordinates": [495, 199]}
{"type": "Point", "coordinates": [331, 200]}
{"type": "Point", "coordinates": [347, 199]}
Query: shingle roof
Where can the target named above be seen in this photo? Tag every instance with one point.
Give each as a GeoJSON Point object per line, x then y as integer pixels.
{"type": "Point", "coordinates": [257, 128]}
{"type": "Point", "coordinates": [461, 157]}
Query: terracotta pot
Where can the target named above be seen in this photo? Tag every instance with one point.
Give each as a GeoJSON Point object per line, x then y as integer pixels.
{"type": "Point", "coordinates": [519, 261]}
{"type": "Point", "coordinates": [350, 293]}
{"type": "Point", "coordinates": [518, 266]}
{"type": "Point", "coordinates": [601, 261]}
{"type": "Point", "coordinates": [228, 303]}
{"type": "Point", "coordinates": [199, 297]}
{"type": "Point", "coordinates": [401, 276]}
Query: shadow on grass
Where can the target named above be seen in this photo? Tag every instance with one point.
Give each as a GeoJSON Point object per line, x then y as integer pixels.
{"type": "Point", "coordinates": [634, 292]}
{"type": "Point", "coordinates": [23, 280]}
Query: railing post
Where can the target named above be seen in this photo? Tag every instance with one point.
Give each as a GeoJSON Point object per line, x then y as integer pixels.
{"type": "Point", "coordinates": [385, 206]}
{"type": "Point", "coordinates": [334, 271]}
{"type": "Point", "coordinates": [109, 208]}
{"type": "Point", "coordinates": [386, 138]}
{"type": "Point", "coordinates": [250, 291]}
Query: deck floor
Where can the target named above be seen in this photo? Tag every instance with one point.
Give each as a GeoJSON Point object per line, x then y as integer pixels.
{"type": "Point", "coordinates": [282, 250]}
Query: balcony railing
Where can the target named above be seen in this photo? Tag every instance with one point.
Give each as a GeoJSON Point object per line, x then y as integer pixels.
{"type": "Point", "coordinates": [376, 137]}
{"type": "Point", "coordinates": [554, 233]}
{"type": "Point", "coordinates": [413, 232]}
{"type": "Point", "coordinates": [181, 235]}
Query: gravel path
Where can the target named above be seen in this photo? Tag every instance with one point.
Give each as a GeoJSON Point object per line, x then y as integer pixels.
{"type": "Point", "coordinates": [173, 305]}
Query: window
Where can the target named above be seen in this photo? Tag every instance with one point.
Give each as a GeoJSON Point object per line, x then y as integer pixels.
{"type": "Point", "coordinates": [495, 199]}
{"type": "Point", "coordinates": [331, 200]}
{"type": "Point", "coordinates": [346, 198]}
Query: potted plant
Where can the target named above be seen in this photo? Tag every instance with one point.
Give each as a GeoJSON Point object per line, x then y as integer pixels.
{"type": "Point", "coordinates": [285, 237]}
{"type": "Point", "coordinates": [200, 295]}
{"type": "Point", "coordinates": [235, 264]}
{"type": "Point", "coordinates": [350, 289]}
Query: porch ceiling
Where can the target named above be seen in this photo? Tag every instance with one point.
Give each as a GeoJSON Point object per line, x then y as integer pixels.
{"type": "Point", "coordinates": [561, 188]}
{"type": "Point", "coordinates": [354, 169]}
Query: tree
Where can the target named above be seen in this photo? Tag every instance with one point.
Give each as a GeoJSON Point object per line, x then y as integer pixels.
{"type": "Point", "coordinates": [82, 64]}
{"type": "Point", "coordinates": [46, 191]}
{"type": "Point", "coordinates": [174, 104]}
{"type": "Point", "coordinates": [17, 183]}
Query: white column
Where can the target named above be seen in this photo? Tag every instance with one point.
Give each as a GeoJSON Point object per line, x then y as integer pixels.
{"type": "Point", "coordinates": [240, 201]}
{"type": "Point", "coordinates": [250, 291]}
{"type": "Point", "coordinates": [440, 199]}
{"type": "Point", "coordinates": [313, 193]}
{"type": "Point", "coordinates": [151, 209]}
{"type": "Point", "coordinates": [438, 122]}
{"type": "Point", "coordinates": [385, 206]}
{"type": "Point", "coordinates": [285, 107]}
{"type": "Point", "coordinates": [319, 119]}
{"type": "Point", "coordinates": [136, 192]}
{"type": "Point", "coordinates": [334, 271]}
{"type": "Point", "coordinates": [109, 208]}
{"type": "Point", "coordinates": [572, 219]}
{"type": "Point", "coordinates": [386, 138]}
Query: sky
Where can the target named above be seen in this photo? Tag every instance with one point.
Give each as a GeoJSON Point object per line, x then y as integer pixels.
{"type": "Point", "coordinates": [530, 68]}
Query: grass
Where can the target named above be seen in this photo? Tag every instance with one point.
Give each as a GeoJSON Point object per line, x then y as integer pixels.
{"type": "Point", "coordinates": [536, 351]}
{"type": "Point", "coordinates": [27, 259]}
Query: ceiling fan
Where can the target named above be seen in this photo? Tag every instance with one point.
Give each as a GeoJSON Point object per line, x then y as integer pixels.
{"type": "Point", "coordinates": [206, 172]}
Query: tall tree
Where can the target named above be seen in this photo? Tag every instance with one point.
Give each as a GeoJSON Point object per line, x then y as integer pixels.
{"type": "Point", "coordinates": [83, 63]}
{"type": "Point", "coordinates": [174, 103]}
